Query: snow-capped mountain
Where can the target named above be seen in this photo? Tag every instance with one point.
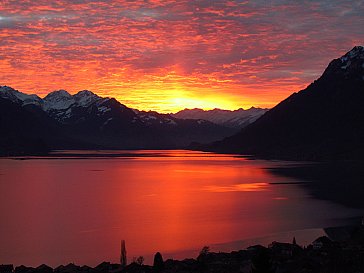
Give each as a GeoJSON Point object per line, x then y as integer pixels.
{"type": "Point", "coordinates": [88, 120]}
{"type": "Point", "coordinates": [61, 99]}
{"type": "Point", "coordinates": [353, 58]}
{"type": "Point", "coordinates": [232, 119]}
{"type": "Point", "coordinates": [59, 104]}
{"type": "Point", "coordinates": [15, 96]}
{"type": "Point", "coordinates": [56, 100]}
{"type": "Point", "coordinates": [63, 106]}
{"type": "Point", "coordinates": [85, 98]}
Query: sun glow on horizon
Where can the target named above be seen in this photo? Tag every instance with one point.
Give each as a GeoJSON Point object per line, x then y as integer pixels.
{"type": "Point", "coordinates": [182, 103]}
{"type": "Point", "coordinates": [166, 56]}
{"type": "Point", "coordinates": [169, 100]}
{"type": "Point", "coordinates": [176, 100]}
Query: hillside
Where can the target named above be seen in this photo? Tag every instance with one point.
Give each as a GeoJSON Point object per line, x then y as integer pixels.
{"type": "Point", "coordinates": [323, 121]}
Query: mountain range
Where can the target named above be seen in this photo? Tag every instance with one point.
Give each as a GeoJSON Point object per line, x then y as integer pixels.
{"type": "Point", "coordinates": [233, 119]}
{"type": "Point", "coordinates": [30, 124]}
{"type": "Point", "coordinates": [323, 121]}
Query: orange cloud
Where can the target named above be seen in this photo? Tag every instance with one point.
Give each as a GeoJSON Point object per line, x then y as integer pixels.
{"type": "Point", "coordinates": [168, 55]}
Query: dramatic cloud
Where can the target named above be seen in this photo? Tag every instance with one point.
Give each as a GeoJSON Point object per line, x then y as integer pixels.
{"type": "Point", "coordinates": [167, 55]}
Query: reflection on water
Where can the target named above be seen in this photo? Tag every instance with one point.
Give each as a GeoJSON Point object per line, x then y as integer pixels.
{"type": "Point", "coordinates": [77, 208]}
{"type": "Point", "coordinates": [238, 187]}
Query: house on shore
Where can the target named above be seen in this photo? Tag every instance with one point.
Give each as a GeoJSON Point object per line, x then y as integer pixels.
{"type": "Point", "coordinates": [322, 242]}
{"type": "Point", "coordinates": [6, 268]}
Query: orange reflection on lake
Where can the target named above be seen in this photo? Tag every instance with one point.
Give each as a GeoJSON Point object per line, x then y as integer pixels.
{"type": "Point", "coordinates": [77, 209]}
{"type": "Point", "coordinates": [239, 187]}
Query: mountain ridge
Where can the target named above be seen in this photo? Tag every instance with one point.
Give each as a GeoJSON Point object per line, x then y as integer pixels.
{"type": "Point", "coordinates": [230, 118]}
{"type": "Point", "coordinates": [61, 99]}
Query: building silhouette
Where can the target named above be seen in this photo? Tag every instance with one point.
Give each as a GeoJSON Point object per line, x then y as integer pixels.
{"type": "Point", "coordinates": [123, 260]}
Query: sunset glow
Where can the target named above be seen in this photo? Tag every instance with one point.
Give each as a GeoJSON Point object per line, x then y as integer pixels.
{"type": "Point", "coordinates": [169, 55]}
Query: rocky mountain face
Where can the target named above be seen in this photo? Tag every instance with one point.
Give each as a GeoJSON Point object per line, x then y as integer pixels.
{"type": "Point", "coordinates": [84, 120]}
{"type": "Point", "coordinates": [237, 119]}
{"type": "Point", "coordinates": [323, 121]}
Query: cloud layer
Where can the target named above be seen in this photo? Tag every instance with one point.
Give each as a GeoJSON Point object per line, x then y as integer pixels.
{"type": "Point", "coordinates": [167, 55]}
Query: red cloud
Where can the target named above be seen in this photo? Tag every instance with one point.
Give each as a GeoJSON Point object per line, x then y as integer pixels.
{"type": "Point", "coordinates": [148, 53]}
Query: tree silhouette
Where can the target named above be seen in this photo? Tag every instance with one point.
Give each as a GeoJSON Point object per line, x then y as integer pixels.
{"type": "Point", "coordinates": [204, 251]}
{"type": "Point", "coordinates": [201, 259]}
{"type": "Point", "coordinates": [140, 260]}
{"type": "Point", "coordinates": [158, 263]}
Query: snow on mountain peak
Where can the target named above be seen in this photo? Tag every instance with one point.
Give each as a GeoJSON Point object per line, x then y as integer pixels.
{"type": "Point", "coordinates": [357, 53]}
{"type": "Point", "coordinates": [54, 101]}
{"type": "Point", "coordinates": [58, 94]}
{"type": "Point", "coordinates": [6, 88]}
{"type": "Point", "coordinates": [18, 97]}
{"type": "Point", "coordinates": [7, 92]}
{"type": "Point", "coordinates": [85, 93]}
{"type": "Point", "coordinates": [235, 118]}
{"type": "Point", "coordinates": [85, 98]}
{"type": "Point", "coordinates": [58, 100]}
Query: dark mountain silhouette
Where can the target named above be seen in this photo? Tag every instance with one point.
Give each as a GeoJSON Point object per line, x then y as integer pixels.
{"type": "Point", "coordinates": [323, 121]}
{"type": "Point", "coordinates": [32, 125]}
{"type": "Point", "coordinates": [21, 131]}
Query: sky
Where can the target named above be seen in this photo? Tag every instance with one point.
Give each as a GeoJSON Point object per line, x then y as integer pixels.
{"type": "Point", "coordinates": [167, 55]}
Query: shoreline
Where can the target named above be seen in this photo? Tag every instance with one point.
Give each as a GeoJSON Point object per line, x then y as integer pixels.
{"type": "Point", "coordinates": [125, 153]}
{"type": "Point", "coordinates": [303, 236]}
{"type": "Point", "coordinates": [318, 255]}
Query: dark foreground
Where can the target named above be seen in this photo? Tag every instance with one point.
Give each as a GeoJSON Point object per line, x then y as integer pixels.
{"type": "Point", "coordinates": [346, 254]}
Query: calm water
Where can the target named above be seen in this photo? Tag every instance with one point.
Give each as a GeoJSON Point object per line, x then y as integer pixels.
{"type": "Point", "coordinates": [61, 210]}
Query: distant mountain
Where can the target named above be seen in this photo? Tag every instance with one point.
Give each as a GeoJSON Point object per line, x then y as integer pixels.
{"type": "Point", "coordinates": [84, 121]}
{"type": "Point", "coordinates": [323, 121]}
{"type": "Point", "coordinates": [233, 119]}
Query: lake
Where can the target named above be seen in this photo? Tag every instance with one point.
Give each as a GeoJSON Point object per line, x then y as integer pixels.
{"type": "Point", "coordinates": [76, 208]}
